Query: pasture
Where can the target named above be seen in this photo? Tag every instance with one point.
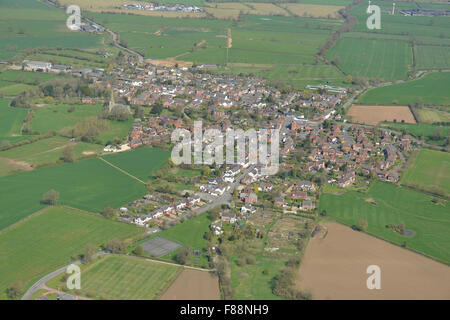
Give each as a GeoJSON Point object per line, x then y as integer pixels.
{"type": "Point", "coordinates": [375, 114]}
{"type": "Point", "coordinates": [431, 89]}
{"type": "Point", "coordinates": [123, 278]}
{"type": "Point", "coordinates": [49, 240]}
{"type": "Point", "coordinates": [430, 171]}
{"type": "Point", "coordinates": [335, 268]}
{"type": "Point", "coordinates": [90, 185]}
{"type": "Point", "coordinates": [393, 205]}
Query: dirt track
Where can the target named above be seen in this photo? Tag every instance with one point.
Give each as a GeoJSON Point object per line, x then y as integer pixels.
{"type": "Point", "coordinates": [193, 285]}
{"type": "Point", "coordinates": [335, 268]}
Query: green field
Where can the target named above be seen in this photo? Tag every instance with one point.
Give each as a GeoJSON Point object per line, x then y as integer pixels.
{"type": "Point", "coordinates": [11, 119]}
{"type": "Point", "coordinates": [431, 89]}
{"type": "Point", "coordinates": [57, 117]}
{"type": "Point", "coordinates": [432, 115]}
{"type": "Point", "coordinates": [45, 151]}
{"type": "Point", "coordinates": [430, 171]}
{"type": "Point", "coordinates": [387, 53]}
{"type": "Point", "coordinates": [26, 77]}
{"type": "Point", "coordinates": [142, 162]}
{"type": "Point", "coordinates": [250, 283]}
{"type": "Point", "coordinates": [49, 240]}
{"type": "Point", "coordinates": [124, 278]}
{"type": "Point", "coordinates": [31, 24]}
{"type": "Point", "coordinates": [432, 57]}
{"type": "Point", "coordinates": [90, 185]}
{"type": "Point", "coordinates": [15, 89]}
{"type": "Point", "coordinates": [393, 205]}
{"type": "Point", "coordinates": [382, 59]}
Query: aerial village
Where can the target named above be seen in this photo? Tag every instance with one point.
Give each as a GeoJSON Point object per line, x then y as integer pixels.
{"type": "Point", "coordinates": [318, 146]}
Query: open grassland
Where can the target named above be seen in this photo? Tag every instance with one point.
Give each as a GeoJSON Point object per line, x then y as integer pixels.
{"type": "Point", "coordinates": [431, 89]}
{"type": "Point", "coordinates": [123, 278]}
{"type": "Point", "coordinates": [393, 205]}
{"type": "Point", "coordinates": [49, 240]}
{"type": "Point", "coordinates": [142, 162]}
{"type": "Point", "coordinates": [375, 114]}
{"type": "Point", "coordinates": [194, 285]}
{"type": "Point", "coordinates": [46, 151]}
{"type": "Point", "coordinates": [251, 283]}
{"type": "Point", "coordinates": [335, 268]}
{"type": "Point", "coordinates": [430, 171]}
{"type": "Point", "coordinates": [382, 59]}
{"type": "Point", "coordinates": [90, 185]}
{"type": "Point", "coordinates": [31, 24]}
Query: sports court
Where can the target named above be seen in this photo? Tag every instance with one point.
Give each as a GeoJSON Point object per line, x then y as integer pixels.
{"type": "Point", "coordinates": [159, 246]}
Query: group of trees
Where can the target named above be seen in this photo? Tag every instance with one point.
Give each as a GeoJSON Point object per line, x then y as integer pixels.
{"type": "Point", "coordinates": [51, 197]}
{"type": "Point", "coordinates": [184, 254]}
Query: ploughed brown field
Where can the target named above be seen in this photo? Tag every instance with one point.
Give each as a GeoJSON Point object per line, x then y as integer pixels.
{"type": "Point", "coordinates": [335, 267]}
{"type": "Point", "coordinates": [375, 114]}
{"type": "Point", "coordinates": [193, 285]}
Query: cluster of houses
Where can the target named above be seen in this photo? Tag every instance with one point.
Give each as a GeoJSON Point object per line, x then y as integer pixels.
{"type": "Point", "coordinates": [171, 210]}
{"type": "Point", "coordinates": [344, 149]}
{"type": "Point", "coordinates": [154, 129]}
